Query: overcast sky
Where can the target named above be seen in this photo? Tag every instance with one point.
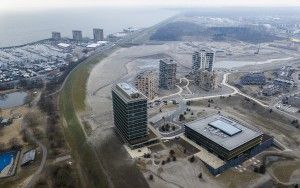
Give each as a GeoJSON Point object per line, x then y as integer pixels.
{"type": "Point", "coordinates": [38, 4]}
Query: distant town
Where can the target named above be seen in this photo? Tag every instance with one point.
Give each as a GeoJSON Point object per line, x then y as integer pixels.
{"type": "Point", "coordinates": [45, 60]}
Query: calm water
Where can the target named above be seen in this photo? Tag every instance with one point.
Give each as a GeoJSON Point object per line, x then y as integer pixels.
{"type": "Point", "coordinates": [22, 27]}
{"type": "Point", "coordinates": [10, 100]}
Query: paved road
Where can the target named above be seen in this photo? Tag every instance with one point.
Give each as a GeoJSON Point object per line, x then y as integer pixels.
{"type": "Point", "coordinates": [35, 177]}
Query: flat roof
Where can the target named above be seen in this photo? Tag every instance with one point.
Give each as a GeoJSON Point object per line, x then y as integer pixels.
{"type": "Point", "coordinates": [128, 92]}
{"type": "Point", "coordinates": [226, 126]}
{"type": "Point", "coordinates": [224, 131]}
{"type": "Point", "coordinates": [28, 156]}
{"type": "Point", "coordinates": [64, 45]}
{"type": "Point", "coordinates": [168, 61]}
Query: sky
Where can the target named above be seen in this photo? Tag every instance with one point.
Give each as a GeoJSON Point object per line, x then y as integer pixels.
{"type": "Point", "coordinates": [8, 5]}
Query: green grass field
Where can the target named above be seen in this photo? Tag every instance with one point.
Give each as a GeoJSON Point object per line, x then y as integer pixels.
{"type": "Point", "coordinates": [72, 101]}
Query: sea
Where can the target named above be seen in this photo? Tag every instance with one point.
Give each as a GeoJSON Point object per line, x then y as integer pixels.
{"type": "Point", "coordinates": [17, 28]}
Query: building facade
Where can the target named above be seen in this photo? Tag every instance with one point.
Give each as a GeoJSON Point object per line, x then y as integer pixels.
{"type": "Point", "coordinates": [98, 34]}
{"type": "Point", "coordinates": [130, 113]}
{"type": "Point", "coordinates": [77, 35]}
{"type": "Point", "coordinates": [167, 74]}
{"type": "Point", "coordinates": [56, 35]}
{"type": "Point", "coordinates": [205, 79]}
{"type": "Point", "coordinates": [147, 83]}
{"type": "Point", "coordinates": [204, 60]}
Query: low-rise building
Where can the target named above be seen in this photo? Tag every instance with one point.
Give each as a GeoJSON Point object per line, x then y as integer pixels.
{"type": "Point", "coordinates": [285, 72]}
{"type": "Point", "coordinates": [270, 90]}
{"type": "Point", "coordinates": [205, 79]}
{"type": "Point", "coordinates": [253, 79]}
{"type": "Point", "coordinates": [147, 83]}
{"type": "Point", "coordinates": [293, 100]}
{"type": "Point", "coordinates": [28, 157]}
{"type": "Point", "coordinates": [283, 84]}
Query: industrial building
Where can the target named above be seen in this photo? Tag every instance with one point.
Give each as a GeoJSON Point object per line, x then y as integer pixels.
{"type": "Point", "coordinates": [167, 73]}
{"type": "Point", "coordinates": [98, 34]}
{"type": "Point", "coordinates": [56, 35]}
{"type": "Point", "coordinates": [253, 79]}
{"type": "Point", "coordinates": [226, 142]}
{"type": "Point", "coordinates": [77, 35]}
{"type": "Point", "coordinates": [130, 113]}
{"type": "Point", "coordinates": [205, 79]}
{"type": "Point", "coordinates": [204, 60]}
{"type": "Point", "coordinates": [147, 83]}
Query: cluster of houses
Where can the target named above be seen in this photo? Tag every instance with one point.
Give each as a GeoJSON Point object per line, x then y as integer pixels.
{"type": "Point", "coordinates": [282, 83]}
{"type": "Point", "coordinates": [38, 61]}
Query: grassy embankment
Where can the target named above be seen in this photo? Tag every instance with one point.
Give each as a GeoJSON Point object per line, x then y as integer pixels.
{"type": "Point", "coordinates": [72, 101]}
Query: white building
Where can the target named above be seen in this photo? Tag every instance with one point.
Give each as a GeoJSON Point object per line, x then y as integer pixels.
{"type": "Point", "coordinates": [204, 60]}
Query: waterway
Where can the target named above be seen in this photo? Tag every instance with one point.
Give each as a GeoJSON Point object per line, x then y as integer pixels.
{"type": "Point", "coordinates": [17, 28]}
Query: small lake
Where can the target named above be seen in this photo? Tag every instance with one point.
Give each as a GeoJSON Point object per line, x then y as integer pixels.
{"type": "Point", "coordinates": [10, 100]}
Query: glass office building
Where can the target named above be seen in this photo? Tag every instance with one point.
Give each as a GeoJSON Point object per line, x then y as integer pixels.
{"type": "Point", "coordinates": [130, 113]}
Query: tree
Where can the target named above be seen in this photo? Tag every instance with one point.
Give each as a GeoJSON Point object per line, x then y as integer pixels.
{"type": "Point", "coordinates": [172, 152]}
{"type": "Point", "coordinates": [32, 119]}
{"type": "Point", "coordinates": [174, 158]}
{"type": "Point", "coordinates": [173, 128]}
{"type": "Point", "coordinates": [271, 110]}
{"type": "Point", "coordinates": [262, 169]}
{"type": "Point", "coordinates": [200, 175]}
{"type": "Point", "coordinates": [168, 159]}
{"type": "Point", "coordinates": [188, 103]}
{"type": "Point", "coordinates": [163, 162]}
{"type": "Point", "coordinates": [151, 177]}
{"type": "Point", "coordinates": [181, 117]}
{"type": "Point", "coordinates": [192, 159]}
{"type": "Point", "coordinates": [14, 143]}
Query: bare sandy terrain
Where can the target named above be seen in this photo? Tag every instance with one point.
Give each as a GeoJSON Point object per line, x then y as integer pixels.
{"type": "Point", "coordinates": [123, 65]}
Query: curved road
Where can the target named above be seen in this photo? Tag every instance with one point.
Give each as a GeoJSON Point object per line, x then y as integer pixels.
{"type": "Point", "coordinates": [35, 177]}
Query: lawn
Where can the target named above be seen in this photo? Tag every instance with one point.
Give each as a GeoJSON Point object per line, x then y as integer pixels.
{"type": "Point", "coordinates": [72, 101]}
{"type": "Point", "coordinates": [284, 170]}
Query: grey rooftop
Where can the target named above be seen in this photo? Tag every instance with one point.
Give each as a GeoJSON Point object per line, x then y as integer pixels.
{"type": "Point", "coordinates": [224, 131]}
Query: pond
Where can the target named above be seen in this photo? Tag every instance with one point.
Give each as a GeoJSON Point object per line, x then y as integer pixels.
{"type": "Point", "coordinates": [14, 99]}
